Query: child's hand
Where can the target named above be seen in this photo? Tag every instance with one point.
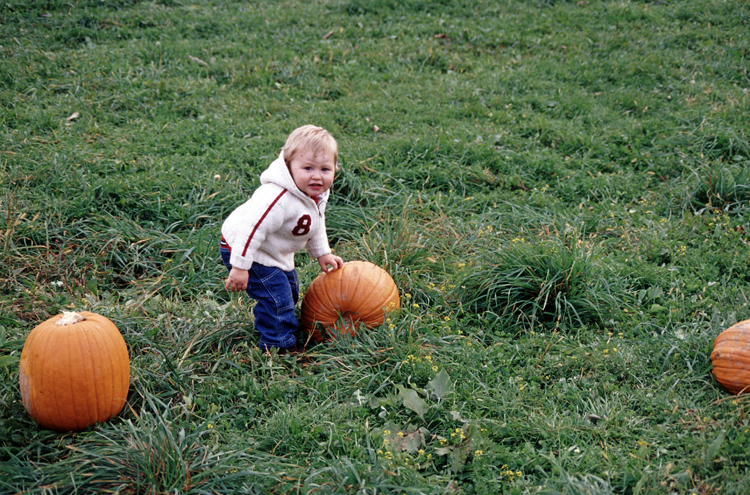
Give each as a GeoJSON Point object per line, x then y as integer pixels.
{"type": "Point", "coordinates": [237, 280]}
{"type": "Point", "coordinates": [329, 259]}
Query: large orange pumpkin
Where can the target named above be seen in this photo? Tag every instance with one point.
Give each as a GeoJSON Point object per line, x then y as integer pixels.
{"type": "Point", "coordinates": [731, 357]}
{"type": "Point", "coordinates": [358, 292]}
{"type": "Point", "coordinates": [74, 371]}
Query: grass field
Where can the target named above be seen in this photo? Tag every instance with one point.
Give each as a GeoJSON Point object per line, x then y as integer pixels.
{"type": "Point", "coordinates": [560, 189]}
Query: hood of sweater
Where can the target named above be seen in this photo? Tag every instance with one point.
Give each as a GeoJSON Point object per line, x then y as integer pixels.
{"type": "Point", "coordinates": [278, 173]}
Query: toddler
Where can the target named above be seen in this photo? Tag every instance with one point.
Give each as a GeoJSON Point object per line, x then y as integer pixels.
{"type": "Point", "coordinates": [285, 214]}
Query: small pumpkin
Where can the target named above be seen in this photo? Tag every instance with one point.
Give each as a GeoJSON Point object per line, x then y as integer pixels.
{"type": "Point", "coordinates": [74, 371]}
{"type": "Point", "coordinates": [358, 292]}
{"type": "Point", "coordinates": [731, 358]}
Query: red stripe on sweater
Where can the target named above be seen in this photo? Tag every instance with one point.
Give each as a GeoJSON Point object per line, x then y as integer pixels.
{"type": "Point", "coordinates": [265, 214]}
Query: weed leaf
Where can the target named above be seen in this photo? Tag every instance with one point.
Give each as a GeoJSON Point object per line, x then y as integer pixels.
{"type": "Point", "coordinates": [8, 360]}
{"type": "Point", "coordinates": [412, 401]}
{"type": "Point", "coordinates": [441, 385]}
{"type": "Point", "coordinates": [713, 450]}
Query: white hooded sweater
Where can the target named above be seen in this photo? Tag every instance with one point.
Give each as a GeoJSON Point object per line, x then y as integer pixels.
{"type": "Point", "coordinates": [277, 221]}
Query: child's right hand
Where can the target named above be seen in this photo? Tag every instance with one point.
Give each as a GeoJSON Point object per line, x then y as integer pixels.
{"type": "Point", "coordinates": [237, 280]}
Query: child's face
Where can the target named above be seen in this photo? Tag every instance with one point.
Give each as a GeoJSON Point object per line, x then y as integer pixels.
{"type": "Point", "coordinates": [312, 173]}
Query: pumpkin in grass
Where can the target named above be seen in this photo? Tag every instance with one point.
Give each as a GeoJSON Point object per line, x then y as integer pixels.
{"type": "Point", "coordinates": [731, 358]}
{"type": "Point", "coordinates": [74, 371]}
{"type": "Point", "coordinates": [358, 292]}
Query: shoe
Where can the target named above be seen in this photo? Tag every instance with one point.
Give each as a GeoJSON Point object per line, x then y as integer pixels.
{"type": "Point", "coordinates": [291, 351]}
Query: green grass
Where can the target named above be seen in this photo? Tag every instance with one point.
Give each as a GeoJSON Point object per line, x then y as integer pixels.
{"type": "Point", "coordinates": [560, 190]}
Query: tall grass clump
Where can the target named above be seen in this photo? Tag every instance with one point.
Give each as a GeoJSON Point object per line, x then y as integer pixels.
{"type": "Point", "coordinates": [156, 455]}
{"type": "Point", "coordinates": [160, 452]}
{"type": "Point", "coordinates": [724, 188]}
{"type": "Point", "coordinates": [548, 283]}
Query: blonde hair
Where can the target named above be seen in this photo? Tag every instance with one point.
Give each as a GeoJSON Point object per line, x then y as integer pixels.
{"type": "Point", "coordinates": [313, 138]}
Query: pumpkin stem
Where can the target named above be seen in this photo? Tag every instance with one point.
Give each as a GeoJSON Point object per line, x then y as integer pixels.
{"type": "Point", "coordinates": [69, 318]}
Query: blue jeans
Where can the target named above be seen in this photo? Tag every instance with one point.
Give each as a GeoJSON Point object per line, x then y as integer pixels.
{"type": "Point", "coordinates": [276, 293]}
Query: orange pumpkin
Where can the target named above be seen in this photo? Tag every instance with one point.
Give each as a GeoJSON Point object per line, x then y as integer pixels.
{"type": "Point", "coordinates": [731, 357]}
{"type": "Point", "coordinates": [74, 371]}
{"type": "Point", "coordinates": [358, 292]}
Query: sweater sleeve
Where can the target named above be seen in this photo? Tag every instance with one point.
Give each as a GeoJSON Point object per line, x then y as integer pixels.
{"type": "Point", "coordinates": [247, 226]}
{"type": "Point", "coordinates": [318, 246]}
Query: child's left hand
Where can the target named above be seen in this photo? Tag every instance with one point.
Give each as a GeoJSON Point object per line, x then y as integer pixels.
{"type": "Point", "coordinates": [329, 259]}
